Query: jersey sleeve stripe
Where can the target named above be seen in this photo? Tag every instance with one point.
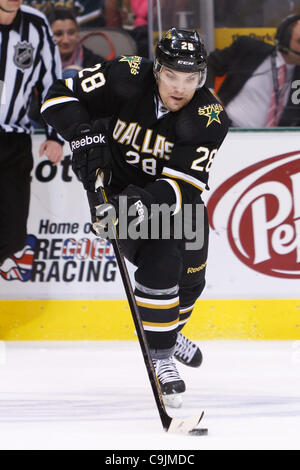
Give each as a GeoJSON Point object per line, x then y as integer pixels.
{"type": "Point", "coordinates": [183, 176]}
{"type": "Point", "coordinates": [55, 101]}
{"type": "Point", "coordinates": [70, 83]}
{"type": "Point", "coordinates": [178, 194]}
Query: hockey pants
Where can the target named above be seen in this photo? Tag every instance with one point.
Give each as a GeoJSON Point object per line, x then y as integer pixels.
{"type": "Point", "coordinates": [168, 280]}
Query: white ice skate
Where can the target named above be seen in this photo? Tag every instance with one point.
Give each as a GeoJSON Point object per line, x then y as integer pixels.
{"type": "Point", "coordinates": [171, 384]}
{"type": "Point", "coordinates": [187, 352]}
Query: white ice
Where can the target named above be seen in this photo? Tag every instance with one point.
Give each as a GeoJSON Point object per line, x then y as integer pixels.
{"type": "Point", "coordinates": [96, 395]}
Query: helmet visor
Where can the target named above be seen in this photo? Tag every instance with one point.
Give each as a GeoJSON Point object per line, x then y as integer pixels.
{"type": "Point", "coordinates": [185, 81]}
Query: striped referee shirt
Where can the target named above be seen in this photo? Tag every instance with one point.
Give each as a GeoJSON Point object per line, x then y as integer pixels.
{"type": "Point", "coordinates": [29, 58]}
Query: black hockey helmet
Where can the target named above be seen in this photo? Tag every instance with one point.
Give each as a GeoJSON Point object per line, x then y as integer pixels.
{"type": "Point", "coordinates": [182, 50]}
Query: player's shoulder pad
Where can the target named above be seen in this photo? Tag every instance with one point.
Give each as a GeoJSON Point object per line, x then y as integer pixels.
{"type": "Point", "coordinates": [129, 75]}
{"type": "Point", "coordinates": [204, 119]}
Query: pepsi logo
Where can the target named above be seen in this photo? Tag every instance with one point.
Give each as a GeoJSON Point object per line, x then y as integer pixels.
{"type": "Point", "coordinates": [259, 209]}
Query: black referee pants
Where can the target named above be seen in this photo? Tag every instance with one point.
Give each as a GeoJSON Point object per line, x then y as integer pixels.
{"type": "Point", "coordinates": [16, 163]}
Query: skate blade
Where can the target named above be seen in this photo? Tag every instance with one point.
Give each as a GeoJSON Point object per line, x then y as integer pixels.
{"type": "Point", "coordinates": [173, 401]}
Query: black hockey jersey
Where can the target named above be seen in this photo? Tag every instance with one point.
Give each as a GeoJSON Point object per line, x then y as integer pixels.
{"type": "Point", "coordinates": [148, 146]}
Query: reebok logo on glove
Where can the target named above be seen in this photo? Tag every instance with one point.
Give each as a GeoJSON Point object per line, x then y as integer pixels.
{"type": "Point", "coordinates": [87, 142]}
{"type": "Point", "coordinates": [140, 210]}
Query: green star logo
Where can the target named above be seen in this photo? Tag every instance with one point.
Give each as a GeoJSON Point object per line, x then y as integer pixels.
{"type": "Point", "coordinates": [127, 58]}
{"type": "Point", "coordinates": [133, 62]}
{"type": "Point", "coordinates": [212, 112]}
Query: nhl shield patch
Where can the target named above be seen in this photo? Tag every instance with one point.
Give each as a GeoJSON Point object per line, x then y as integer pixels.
{"type": "Point", "coordinates": [23, 56]}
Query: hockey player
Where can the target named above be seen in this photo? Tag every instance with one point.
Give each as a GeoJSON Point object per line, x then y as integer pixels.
{"type": "Point", "coordinates": [164, 131]}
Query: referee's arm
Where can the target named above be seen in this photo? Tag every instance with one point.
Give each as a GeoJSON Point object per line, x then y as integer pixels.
{"type": "Point", "coordinates": [50, 72]}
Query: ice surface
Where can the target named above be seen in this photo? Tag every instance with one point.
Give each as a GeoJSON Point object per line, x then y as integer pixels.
{"type": "Point", "coordinates": [96, 395]}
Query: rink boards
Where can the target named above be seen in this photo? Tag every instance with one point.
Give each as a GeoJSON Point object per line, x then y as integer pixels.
{"type": "Point", "coordinates": [270, 319]}
{"type": "Point", "coordinates": [65, 284]}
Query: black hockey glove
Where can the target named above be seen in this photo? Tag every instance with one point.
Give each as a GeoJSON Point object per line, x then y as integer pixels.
{"type": "Point", "coordinates": [91, 152]}
{"type": "Point", "coordinates": [130, 208]}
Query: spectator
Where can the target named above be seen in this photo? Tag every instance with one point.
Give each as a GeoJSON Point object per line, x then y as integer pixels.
{"type": "Point", "coordinates": [257, 88]}
{"type": "Point", "coordinates": [241, 14]}
{"type": "Point", "coordinates": [74, 56]}
{"type": "Point", "coordinates": [29, 58]}
{"type": "Point", "coordinates": [89, 13]}
{"type": "Point", "coordinates": [140, 31]}
{"type": "Point", "coordinates": [113, 14]}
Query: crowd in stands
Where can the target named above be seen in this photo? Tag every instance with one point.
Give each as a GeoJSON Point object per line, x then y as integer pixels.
{"type": "Point", "coordinates": [247, 70]}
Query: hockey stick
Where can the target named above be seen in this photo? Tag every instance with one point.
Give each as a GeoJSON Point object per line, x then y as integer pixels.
{"type": "Point", "coordinates": [172, 425]}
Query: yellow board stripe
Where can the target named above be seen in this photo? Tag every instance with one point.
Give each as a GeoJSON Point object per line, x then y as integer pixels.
{"type": "Point", "coordinates": [265, 319]}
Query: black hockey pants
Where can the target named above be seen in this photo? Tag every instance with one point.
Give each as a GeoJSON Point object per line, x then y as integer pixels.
{"type": "Point", "coordinates": [168, 280]}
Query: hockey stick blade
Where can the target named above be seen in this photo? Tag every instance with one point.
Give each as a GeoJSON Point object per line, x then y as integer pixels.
{"type": "Point", "coordinates": [187, 426]}
{"type": "Point", "coordinates": [171, 425]}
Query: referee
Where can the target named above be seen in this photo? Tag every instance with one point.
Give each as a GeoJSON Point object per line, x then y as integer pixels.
{"type": "Point", "coordinates": [29, 59]}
